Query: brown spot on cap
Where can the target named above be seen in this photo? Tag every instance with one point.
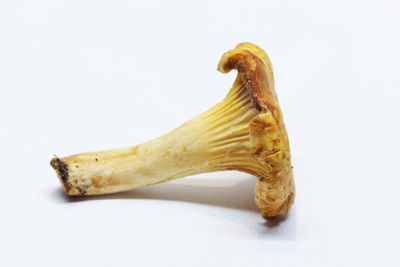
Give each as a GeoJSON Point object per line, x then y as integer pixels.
{"type": "Point", "coordinates": [255, 70]}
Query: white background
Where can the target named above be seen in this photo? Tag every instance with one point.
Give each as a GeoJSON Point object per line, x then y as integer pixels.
{"type": "Point", "coordinates": [79, 76]}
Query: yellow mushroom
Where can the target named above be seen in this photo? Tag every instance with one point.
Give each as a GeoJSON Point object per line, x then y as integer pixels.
{"type": "Point", "coordinates": [244, 132]}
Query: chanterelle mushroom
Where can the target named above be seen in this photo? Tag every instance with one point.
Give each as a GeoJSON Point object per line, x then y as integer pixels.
{"type": "Point", "coordinates": [244, 132]}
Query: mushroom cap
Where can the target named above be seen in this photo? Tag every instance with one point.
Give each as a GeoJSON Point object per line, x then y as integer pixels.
{"type": "Point", "coordinates": [275, 190]}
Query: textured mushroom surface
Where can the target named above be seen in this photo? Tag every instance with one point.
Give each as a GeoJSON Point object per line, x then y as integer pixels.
{"type": "Point", "coordinates": [244, 132]}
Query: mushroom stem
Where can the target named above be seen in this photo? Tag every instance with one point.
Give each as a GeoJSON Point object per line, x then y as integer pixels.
{"type": "Point", "coordinates": [209, 142]}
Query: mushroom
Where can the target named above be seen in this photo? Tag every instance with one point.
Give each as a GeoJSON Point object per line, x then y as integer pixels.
{"type": "Point", "coordinates": [244, 132]}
